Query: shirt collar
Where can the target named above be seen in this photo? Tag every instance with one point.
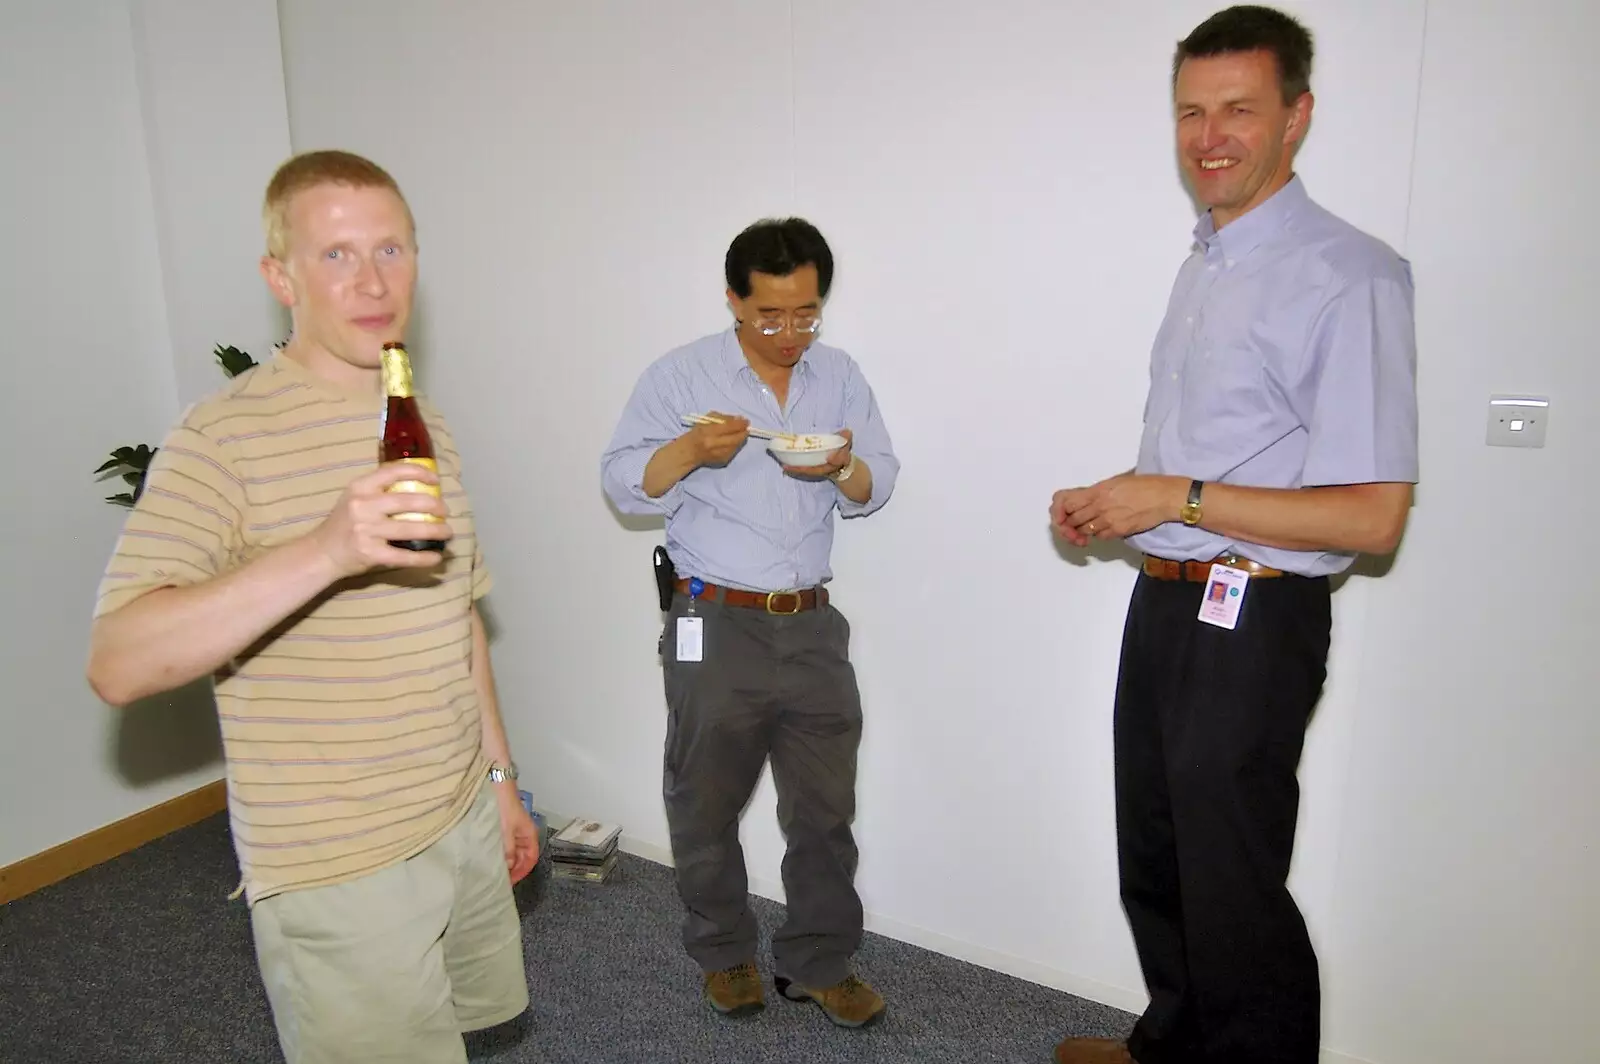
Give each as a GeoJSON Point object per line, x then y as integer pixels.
{"type": "Point", "coordinates": [1248, 231]}
{"type": "Point", "coordinates": [732, 354]}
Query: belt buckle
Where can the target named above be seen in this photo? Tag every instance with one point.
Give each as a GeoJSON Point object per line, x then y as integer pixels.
{"type": "Point", "coordinates": [798, 602]}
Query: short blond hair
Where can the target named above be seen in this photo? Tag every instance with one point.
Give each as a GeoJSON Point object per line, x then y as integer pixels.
{"type": "Point", "coordinates": [309, 170]}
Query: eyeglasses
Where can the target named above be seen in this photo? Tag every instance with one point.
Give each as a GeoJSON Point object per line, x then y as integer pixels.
{"type": "Point", "coordinates": [804, 323]}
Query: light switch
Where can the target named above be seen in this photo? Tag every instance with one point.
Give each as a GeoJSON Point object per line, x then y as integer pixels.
{"type": "Point", "coordinates": [1518, 420]}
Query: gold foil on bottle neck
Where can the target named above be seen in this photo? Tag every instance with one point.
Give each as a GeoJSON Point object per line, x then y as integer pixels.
{"type": "Point", "coordinates": [396, 371]}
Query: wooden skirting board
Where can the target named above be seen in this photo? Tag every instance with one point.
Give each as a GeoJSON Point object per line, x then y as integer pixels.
{"type": "Point", "coordinates": [86, 851]}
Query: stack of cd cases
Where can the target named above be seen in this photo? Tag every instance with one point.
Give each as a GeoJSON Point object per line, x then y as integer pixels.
{"type": "Point", "coordinates": [585, 850]}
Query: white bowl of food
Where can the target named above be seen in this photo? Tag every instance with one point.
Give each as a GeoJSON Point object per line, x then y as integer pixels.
{"type": "Point", "coordinates": [811, 449]}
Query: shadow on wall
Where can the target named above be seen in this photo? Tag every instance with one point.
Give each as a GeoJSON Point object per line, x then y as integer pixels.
{"type": "Point", "coordinates": [1098, 550]}
{"type": "Point", "coordinates": [634, 522]}
{"type": "Point", "coordinates": [168, 735]}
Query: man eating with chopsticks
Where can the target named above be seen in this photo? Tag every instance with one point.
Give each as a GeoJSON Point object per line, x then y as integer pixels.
{"type": "Point", "coordinates": [755, 655]}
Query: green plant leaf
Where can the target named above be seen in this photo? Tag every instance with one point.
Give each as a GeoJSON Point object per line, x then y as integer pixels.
{"type": "Point", "coordinates": [233, 360]}
{"type": "Point", "coordinates": [138, 457]}
{"type": "Point", "coordinates": [132, 463]}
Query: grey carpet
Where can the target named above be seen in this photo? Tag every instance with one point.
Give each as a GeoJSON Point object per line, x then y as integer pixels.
{"type": "Point", "coordinates": [145, 959]}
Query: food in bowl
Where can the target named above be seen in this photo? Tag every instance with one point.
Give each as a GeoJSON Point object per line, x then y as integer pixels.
{"type": "Point", "coordinates": [811, 449]}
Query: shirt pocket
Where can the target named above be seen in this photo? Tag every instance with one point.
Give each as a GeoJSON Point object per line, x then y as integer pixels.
{"type": "Point", "coordinates": [820, 413]}
{"type": "Point", "coordinates": [285, 520]}
{"type": "Point", "coordinates": [1226, 407]}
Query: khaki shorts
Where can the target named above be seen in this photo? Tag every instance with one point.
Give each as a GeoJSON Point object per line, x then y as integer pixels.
{"type": "Point", "coordinates": [392, 967]}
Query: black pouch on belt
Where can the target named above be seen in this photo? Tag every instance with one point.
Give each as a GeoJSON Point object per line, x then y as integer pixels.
{"type": "Point", "coordinates": [666, 578]}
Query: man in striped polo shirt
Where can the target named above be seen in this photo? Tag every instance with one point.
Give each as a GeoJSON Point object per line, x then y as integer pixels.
{"type": "Point", "coordinates": [371, 792]}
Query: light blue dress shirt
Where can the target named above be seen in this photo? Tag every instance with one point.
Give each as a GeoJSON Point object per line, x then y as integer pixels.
{"type": "Point", "coordinates": [748, 524]}
{"type": "Point", "coordinates": [1287, 359]}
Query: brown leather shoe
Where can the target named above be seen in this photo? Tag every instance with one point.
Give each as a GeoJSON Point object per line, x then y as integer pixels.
{"type": "Point", "coordinates": [1093, 1051]}
{"type": "Point", "coordinates": [850, 1003]}
{"type": "Point", "coordinates": [735, 991]}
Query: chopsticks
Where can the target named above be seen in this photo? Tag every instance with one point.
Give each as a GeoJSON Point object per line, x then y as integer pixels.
{"type": "Point", "coordinates": [758, 433]}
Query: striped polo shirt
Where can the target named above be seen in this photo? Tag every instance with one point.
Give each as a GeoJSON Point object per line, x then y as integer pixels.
{"type": "Point", "coordinates": [351, 730]}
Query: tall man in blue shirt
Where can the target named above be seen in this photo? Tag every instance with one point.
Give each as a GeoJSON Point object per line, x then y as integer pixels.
{"type": "Point", "coordinates": [755, 655]}
{"type": "Point", "coordinates": [1280, 440]}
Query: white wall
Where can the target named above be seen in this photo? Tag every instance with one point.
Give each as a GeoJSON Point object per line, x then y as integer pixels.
{"type": "Point", "coordinates": [216, 127]}
{"type": "Point", "coordinates": [1468, 879]}
{"type": "Point", "coordinates": [129, 128]}
{"type": "Point", "coordinates": [998, 183]}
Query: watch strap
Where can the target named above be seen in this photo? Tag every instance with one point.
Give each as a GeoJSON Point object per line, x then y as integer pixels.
{"type": "Point", "coordinates": [1191, 509]}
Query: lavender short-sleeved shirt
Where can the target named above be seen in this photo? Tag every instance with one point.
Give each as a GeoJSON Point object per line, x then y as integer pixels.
{"type": "Point", "coordinates": [1287, 359]}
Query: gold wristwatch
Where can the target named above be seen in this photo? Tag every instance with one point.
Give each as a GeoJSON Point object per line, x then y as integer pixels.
{"type": "Point", "coordinates": [844, 474]}
{"type": "Point", "coordinates": [1191, 509]}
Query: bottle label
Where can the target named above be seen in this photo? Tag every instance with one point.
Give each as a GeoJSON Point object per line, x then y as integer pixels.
{"type": "Point", "coordinates": [417, 487]}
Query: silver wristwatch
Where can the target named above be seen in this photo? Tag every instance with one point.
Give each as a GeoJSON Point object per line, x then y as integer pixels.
{"type": "Point", "coordinates": [499, 773]}
{"type": "Point", "coordinates": [844, 474]}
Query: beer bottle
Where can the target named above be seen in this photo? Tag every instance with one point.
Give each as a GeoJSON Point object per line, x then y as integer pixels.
{"type": "Point", "coordinates": [405, 439]}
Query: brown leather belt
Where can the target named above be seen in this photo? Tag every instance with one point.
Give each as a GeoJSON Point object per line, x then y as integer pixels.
{"type": "Point", "coordinates": [1200, 572]}
{"type": "Point", "coordinates": [779, 602]}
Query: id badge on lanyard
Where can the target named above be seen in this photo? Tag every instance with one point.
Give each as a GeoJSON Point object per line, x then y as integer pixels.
{"type": "Point", "coordinates": [691, 629]}
{"type": "Point", "coordinates": [1225, 588]}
